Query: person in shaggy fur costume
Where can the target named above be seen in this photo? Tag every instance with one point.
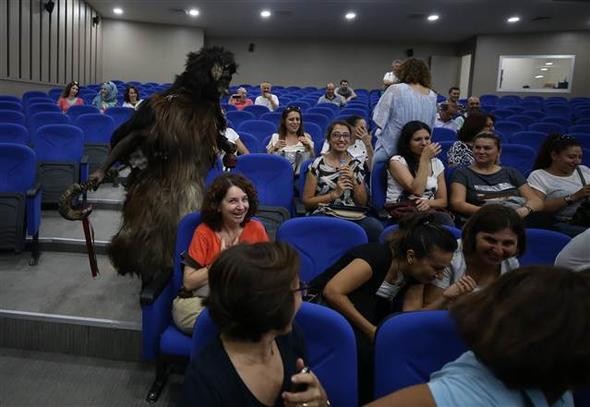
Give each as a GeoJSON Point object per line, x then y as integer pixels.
{"type": "Point", "coordinates": [170, 144]}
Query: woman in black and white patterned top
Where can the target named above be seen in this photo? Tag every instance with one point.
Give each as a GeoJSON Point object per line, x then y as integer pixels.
{"type": "Point", "coordinates": [461, 152]}
{"type": "Point", "coordinates": [337, 178]}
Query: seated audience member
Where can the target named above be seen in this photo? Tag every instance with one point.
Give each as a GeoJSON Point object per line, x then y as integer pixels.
{"type": "Point", "coordinates": [361, 148]}
{"type": "Point", "coordinates": [345, 90]}
{"type": "Point", "coordinates": [233, 137]}
{"type": "Point", "coordinates": [131, 98]}
{"type": "Point", "coordinates": [291, 141]}
{"type": "Point", "coordinates": [485, 182]}
{"type": "Point", "coordinates": [69, 97]}
{"type": "Point", "coordinates": [492, 239]}
{"type": "Point", "coordinates": [331, 97]}
{"type": "Point", "coordinates": [526, 344]}
{"type": "Point", "coordinates": [473, 106]}
{"type": "Point", "coordinates": [259, 353]}
{"type": "Point", "coordinates": [416, 176]}
{"type": "Point", "coordinates": [461, 152]}
{"type": "Point", "coordinates": [556, 180]}
{"type": "Point", "coordinates": [576, 254]}
{"type": "Point", "coordinates": [453, 100]}
{"type": "Point", "coordinates": [106, 98]}
{"type": "Point", "coordinates": [228, 207]}
{"type": "Point", "coordinates": [337, 178]}
{"type": "Point", "coordinates": [446, 117]}
{"type": "Point", "coordinates": [364, 282]}
{"type": "Point", "coordinates": [266, 98]}
{"type": "Point", "coordinates": [240, 100]}
{"type": "Point", "coordinates": [391, 77]}
{"type": "Point", "coordinates": [411, 99]}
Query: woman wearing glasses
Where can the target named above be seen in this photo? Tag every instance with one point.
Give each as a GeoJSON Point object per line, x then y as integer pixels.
{"type": "Point", "coordinates": [228, 207]}
{"type": "Point", "coordinates": [69, 97]}
{"type": "Point", "coordinates": [259, 354]}
{"type": "Point", "coordinates": [557, 180]}
{"type": "Point", "coordinates": [291, 141]}
{"type": "Point", "coordinates": [337, 178]}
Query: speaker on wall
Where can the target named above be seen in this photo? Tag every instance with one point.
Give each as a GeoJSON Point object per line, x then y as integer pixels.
{"type": "Point", "coordinates": [410, 52]}
{"type": "Point", "coordinates": [251, 47]}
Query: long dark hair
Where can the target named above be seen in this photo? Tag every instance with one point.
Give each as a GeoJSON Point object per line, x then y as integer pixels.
{"type": "Point", "coordinates": [283, 125]}
{"type": "Point", "coordinates": [403, 144]}
{"type": "Point", "coordinates": [554, 143]}
{"type": "Point", "coordinates": [474, 123]}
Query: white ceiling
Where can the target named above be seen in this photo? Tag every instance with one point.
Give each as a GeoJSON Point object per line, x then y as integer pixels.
{"type": "Point", "coordinates": [395, 20]}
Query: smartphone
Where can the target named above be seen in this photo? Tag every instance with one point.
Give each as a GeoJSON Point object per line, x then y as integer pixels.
{"type": "Point", "coordinates": [299, 387]}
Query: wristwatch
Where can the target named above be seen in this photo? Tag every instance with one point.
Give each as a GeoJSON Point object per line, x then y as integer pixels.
{"type": "Point", "coordinates": [568, 199]}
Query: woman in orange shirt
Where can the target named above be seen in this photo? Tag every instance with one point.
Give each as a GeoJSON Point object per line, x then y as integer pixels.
{"type": "Point", "coordinates": [226, 214]}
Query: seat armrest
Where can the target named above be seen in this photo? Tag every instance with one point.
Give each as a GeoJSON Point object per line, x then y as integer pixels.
{"type": "Point", "coordinates": [34, 190]}
{"type": "Point", "coordinates": [151, 291]}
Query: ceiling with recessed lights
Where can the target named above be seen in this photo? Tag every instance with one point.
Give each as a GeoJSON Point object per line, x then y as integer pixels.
{"type": "Point", "coordinates": [395, 20]}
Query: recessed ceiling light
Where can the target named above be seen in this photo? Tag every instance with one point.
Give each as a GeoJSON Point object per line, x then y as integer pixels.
{"type": "Point", "coordinates": [265, 13]}
{"type": "Point", "coordinates": [193, 12]}
{"type": "Point", "coordinates": [538, 76]}
{"type": "Point", "coordinates": [544, 69]}
{"type": "Point", "coordinates": [432, 17]}
{"type": "Point", "coordinates": [548, 63]}
{"type": "Point", "coordinates": [118, 10]}
{"type": "Point", "coordinates": [513, 19]}
{"type": "Point", "coordinates": [351, 15]}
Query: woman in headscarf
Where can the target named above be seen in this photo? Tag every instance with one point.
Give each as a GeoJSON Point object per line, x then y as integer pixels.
{"type": "Point", "coordinates": [106, 98]}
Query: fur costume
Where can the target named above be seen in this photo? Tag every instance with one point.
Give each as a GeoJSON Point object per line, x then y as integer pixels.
{"type": "Point", "coordinates": [170, 143]}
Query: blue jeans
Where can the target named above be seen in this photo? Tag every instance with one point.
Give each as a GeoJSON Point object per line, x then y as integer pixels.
{"type": "Point", "coordinates": [373, 227]}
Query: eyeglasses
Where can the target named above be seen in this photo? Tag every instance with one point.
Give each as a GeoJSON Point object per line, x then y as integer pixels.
{"type": "Point", "coordinates": [303, 288]}
{"type": "Point", "coordinates": [343, 136]}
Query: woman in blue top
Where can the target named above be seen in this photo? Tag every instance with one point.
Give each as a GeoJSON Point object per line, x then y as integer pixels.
{"type": "Point", "coordinates": [529, 339]}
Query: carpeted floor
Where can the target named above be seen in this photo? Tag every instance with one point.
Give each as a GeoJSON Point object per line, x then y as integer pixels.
{"type": "Point", "coordinates": [55, 380]}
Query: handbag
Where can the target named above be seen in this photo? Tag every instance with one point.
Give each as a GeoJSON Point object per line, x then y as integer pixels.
{"type": "Point", "coordinates": [399, 210]}
{"type": "Point", "coordinates": [344, 211]}
{"type": "Point", "coordinates": [582, 215]}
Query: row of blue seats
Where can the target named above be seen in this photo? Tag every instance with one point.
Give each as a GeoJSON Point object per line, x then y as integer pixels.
{"type": "Point", "coordinates": [49, 112]}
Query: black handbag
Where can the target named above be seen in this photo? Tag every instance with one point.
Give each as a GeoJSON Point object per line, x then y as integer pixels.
{"type": "Point", "coordinates": [582, 215]}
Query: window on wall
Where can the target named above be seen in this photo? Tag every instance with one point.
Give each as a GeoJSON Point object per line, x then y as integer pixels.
{"type": "Point", "coordinates": [536, 73]}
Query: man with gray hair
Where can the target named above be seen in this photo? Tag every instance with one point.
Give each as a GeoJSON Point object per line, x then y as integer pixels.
{"type": "Point", "coordinates": [266, 98]}
{"type": "Point", "coordinates": [391, 77]}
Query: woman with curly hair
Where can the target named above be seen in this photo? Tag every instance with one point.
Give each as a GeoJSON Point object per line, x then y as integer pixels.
{"type": "Point", "coordinates": [226, 214]}
{"type": "Point", "coordinates": [412, 99]}
{"type": "Point", "coordinates": [528, 339]}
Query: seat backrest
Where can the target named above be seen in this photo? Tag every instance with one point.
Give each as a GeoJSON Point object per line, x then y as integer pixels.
{"type": "Point", "coordinates": [543, 246]}
{"type": "Point", "coordinates": [580, 128]}
{"type": "Point", "coordinates": [411, 346]}
{"type": "Point", "coordinates": [333, 107]}
{"type": "Point", "coordinates": [256, 110]}
{"type": "Point", "coordinates": [12, 116]}
{"type": "Point", "coordinates": [546, 128]}
{"type": "Point", "coordinates": [379, 184]}
{"type": "Point", "coordinates": [74, 111]}
{"type": "Point", "coordinates": [273, 117]}
{"type": "Point", "coordinates": [184, 235]}
{"type": "Point", "coordinates": [443, 134]}
{"type": "Point", "coordinates": [119, 114]}
{"type": "Point", "coordinates": [320, 241]}
{"type": "Point", "coordinates": [522, 119]}
{"type": "Point", "coordinates": [17, 167]}
{"type": "Point", "coordinates": [518, 156]}
{"type": "Point", "coordinates": [329, 113]}
{"type": "Point", "coordinates": [9, 105]}
{"type": "Point", "coordinates": [97, 127]}
{"type": "Point", "coordinates": [41, 107]}
{"type": "Point", "coordinates": [303, 170]}
{"type": "Point", "coordinates": [14, 133]}
{"type": "Point", "coordinates": [317, 135]}
{"type": "Point", "coordinates": [316, 118]}
{"type": "Point", "coordinates": [502, 114]}
{"type": "Point", "coordinates": [237, 117]}
{"type": "Point", "coordinates": [258, 128]}
{"type": "Point", "coordinates": [530, 138]}
{"type": "Point", "coordinates": [43, 118]}
{"type": "Point", "coordinates": [491, 100]}
{"type": "Point", "coordinates": [508, 128]}
{"type": "Point", "coordinates": [330, 346]}
{"type": "Point", "coordinates": [583, 139]}
{"type": "Point", "coordinates": [252, 143]}
{"type": "Point", "coordinates": [272, 177]}
{"type": "Point", "coordinates": [58, 142]}
{"type": "Point", "coordinates": [33, 94]}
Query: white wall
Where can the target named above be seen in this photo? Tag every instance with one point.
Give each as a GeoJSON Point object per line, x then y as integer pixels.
{"type": "Point", "coordinates": [146, 52]}
{"type": "Point", "coordinates": [445, 73]}
{"type": "Point", "coordinates": [314, 63]}
{"type": "Point", "coordinates": [490, 47]}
